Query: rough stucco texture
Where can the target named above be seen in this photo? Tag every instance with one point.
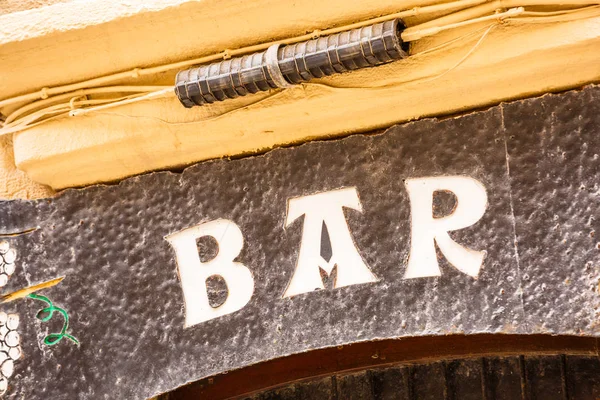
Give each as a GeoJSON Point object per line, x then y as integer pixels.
{"type": "Point", "coordinates": [13, 6]}
{"type": "Point", "coordinates": [15, 183]}
{"type": "Point", "coordinates": [537, 158]}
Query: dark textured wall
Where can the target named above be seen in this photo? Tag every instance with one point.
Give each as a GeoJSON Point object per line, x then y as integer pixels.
{"type": "Point", "coordinates": [537, 158]}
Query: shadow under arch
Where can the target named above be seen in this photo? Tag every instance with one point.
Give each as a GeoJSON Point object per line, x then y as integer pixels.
{"type": "Point", "coordinates": [326, 362]}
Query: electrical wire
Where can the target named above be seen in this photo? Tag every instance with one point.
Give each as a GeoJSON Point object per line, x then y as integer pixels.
{"type": "Point", "coordinates": [44, 93]}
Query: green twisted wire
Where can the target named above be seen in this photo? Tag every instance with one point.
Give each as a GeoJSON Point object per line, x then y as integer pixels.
{"type": "Point", "coordinates": [53, 338]}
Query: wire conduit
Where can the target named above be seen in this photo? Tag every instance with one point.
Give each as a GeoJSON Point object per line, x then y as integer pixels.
{"type": "Point", "coordinates": [282, 66]}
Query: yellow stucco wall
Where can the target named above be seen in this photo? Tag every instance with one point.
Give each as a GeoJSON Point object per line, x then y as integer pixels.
{"type": "Point", "coordinates": [15, 183]}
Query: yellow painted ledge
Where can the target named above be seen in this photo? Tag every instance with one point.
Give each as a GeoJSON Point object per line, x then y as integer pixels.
{"type": "Point", "coordinates": [513, 61]}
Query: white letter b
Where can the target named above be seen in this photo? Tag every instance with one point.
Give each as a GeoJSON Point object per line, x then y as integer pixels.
{"type": "Point", "coordinates": [193, 273]}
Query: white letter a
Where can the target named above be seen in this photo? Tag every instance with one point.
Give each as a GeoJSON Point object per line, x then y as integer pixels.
{"type": "Point", "coordinates": [326, 208]}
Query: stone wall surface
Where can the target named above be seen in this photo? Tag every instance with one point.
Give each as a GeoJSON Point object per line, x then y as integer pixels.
{"type": "Point", "coordinates": [537, 159]}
